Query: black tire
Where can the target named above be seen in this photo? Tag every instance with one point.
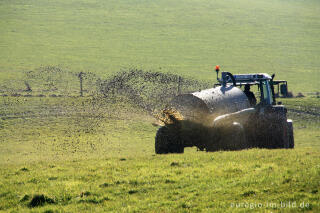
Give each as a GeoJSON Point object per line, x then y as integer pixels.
{"type": "Point", "coordinates": [290, 134]}
{"type": "Point", "coordinates": [277, 134]}
{"type": "Point", "coordinates": [167, 141]}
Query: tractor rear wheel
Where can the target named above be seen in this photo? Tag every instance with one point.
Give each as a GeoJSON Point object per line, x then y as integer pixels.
{"type": "Point", "coordinates": [167, 141]}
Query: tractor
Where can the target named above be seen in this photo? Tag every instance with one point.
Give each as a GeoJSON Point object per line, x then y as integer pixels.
{"type": "Point", "coordinates": [227, 117]}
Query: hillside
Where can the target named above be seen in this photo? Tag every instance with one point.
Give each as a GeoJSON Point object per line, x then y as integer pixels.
{"type": "Point", "coordinates": [184, 37]}
{"type": "Point", "coordinates": [82, 83]}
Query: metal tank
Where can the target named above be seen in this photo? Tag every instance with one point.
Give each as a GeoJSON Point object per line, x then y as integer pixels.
{"type": "Point", "coordinates": [204, 106]}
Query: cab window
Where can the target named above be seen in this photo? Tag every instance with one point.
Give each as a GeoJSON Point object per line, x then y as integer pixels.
{"type": "Point", "coordinates": [266, 93]}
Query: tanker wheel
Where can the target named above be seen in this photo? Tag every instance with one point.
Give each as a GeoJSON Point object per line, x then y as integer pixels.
{"type": "Point", "coordinates": [167, 141]}
{"type": "Point", "coordinates": [290, 134]}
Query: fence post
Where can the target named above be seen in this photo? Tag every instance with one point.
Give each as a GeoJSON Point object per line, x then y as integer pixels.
{"type": "Point", "coordinates": [80, 75]}
{"type": "Point", "coordinates": [179, 85]}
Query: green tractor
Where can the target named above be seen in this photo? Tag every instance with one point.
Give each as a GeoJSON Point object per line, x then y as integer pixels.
{"type": "Point", "coordinates": [227, 117]}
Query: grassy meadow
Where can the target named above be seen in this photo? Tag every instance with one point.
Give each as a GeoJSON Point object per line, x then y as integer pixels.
{"type": "Point", "coordinates": [184, 37]}
{"type": "Point", "coordinates": [70, 154]}
{"type": "Point", "coordinates": [63, 153]}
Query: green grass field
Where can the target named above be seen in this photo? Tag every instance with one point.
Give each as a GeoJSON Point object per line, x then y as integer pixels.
{"type": "Point", "coordinates": [57, 148]}
{"type": "Point", "coordinates": [185, 37]}
{"type": "Point", "coordinates": [63, 153]}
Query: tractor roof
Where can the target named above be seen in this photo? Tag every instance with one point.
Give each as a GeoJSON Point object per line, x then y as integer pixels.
{"type": "Point", "coordinates": [254, 78]}
{"type": "Point", "coordinates": [251, 77]}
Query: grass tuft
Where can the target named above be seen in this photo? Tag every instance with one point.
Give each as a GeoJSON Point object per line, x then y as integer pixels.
{"type": "Point", "coordinates": [40, 200]}
{"type": "Point", "coordinates": [132, 191]}
{"type": "Point", "coordinates": [173, 164]}
{"type": "Point", "coordinates": [104, 185]}
{"type": "Point", "coordinates": [25, 198]}
{"type": "Point", "coordinates": [248, 193]}
{"type": "Point", "coordinates": [24, 169]}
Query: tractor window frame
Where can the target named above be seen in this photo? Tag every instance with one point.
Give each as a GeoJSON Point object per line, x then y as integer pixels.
{"type": "Point", "coordinates": [266, 93]}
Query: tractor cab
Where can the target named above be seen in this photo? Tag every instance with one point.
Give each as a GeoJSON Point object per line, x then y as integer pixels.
{"type": "Point", "coordinates": [262, 85]}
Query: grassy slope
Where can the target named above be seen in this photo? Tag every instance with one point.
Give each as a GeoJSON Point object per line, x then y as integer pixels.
{"type": "Point", "coordinates": [187, 37]}
{"type": "Point", "coordinates": [109, 164]}
{"type": "Point", "coordinates": [173, 183]}
{"type": "Point", "coordinates": [46, 129]}
{"type": "Point", "coordinates": [47, 146]}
